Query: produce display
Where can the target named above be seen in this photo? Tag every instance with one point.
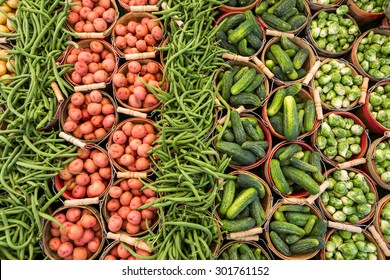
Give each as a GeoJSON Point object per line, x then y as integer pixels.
{"type": "Point", "coordinates": [333, 31]}
{"type": "Point", "coordinates": [244, 141]}
{"type": "Point", "coordinates": [385, 221]}
{"type": "Point", "coordinates": [292, 169]}
{"type": "Point", "coordinates": [241, 205]}
{"type": "Point", "coordinates": [337, 84]}
{"type": "Point", "coordinates": [370, 6]}
{"type": "Point", "coordinates": [289, 113]}
{"type": "Point", "coordinates": [124, 203]}
{"type": "Point", "coordinates": [283, 15]}
{"type": "Point", "coordinates": [242, 251]}
{"type": "Point", "coordinates": [349, 196]}
{"type": "Point", "coordinates": [287, 60]}
{"type": "Point", "coordinates": [127, 135]}
{"type": "Point", "coordinates": [294, 229]}
{"type": "Point", "coordinates": [339, 138]}
{"type": "Point", "coordinates": [345, 245]}
{"type": "Point", "coordinates": [373, 54]}
{"type": "Point", "coordinates": [381, 160]}
{"type": "Point", "coordinates": [240, 33]}
{"type": "Point", "coordinates": [242, 86]}
{"type": "Point", "coordinates": [380, 104]}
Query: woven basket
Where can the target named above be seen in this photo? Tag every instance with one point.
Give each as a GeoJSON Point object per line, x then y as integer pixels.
{"type": "Point", "coordinates": [249, 243]}
{"type": "Point", "coordinates": [227, 9]}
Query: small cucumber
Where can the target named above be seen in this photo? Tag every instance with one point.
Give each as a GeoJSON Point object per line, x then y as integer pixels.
{"type": "Point", "coordinates": [301, 73]}
{"type": "Point", "coordinates": [290, 119]}
{"type": "Point", "coordinates": [238, 224]}
{"type": "Point", "coordinates": [247, 181]}
{"type": "Point", "coordinates": [245, 250]}
{"type": "Point", "coordinates": [254, 41]}
{"type": "Point", "coordinates": [241, 73]}
{"type": "Point", "coordinates": [228, 197]}
{"type": "Point", "coordinates": [238, 129]}
{"type": "Point", "coordinates": [293, 89]}
{"type": "Point", "coordinates": [257, 211]}
{"type": "Point", "coordinates": [292, 12]}
{"type": "Point", "coordinates": [238, 154]}
{"type": "Point", "coordinates": [300, 5]}
{"type": "Point", "coordinates": [255, 148]}
{"type": "Point", "coordinates": [305, 245]}
{"type": "Point", "coordinates": [227, 134]}
{"type": "Point", "coordinates": [250, 130]}
{"type": "Point", "coordinates": [261, 8]}
{"type": "Point", "coordinates": [304, 166]}
{"type": "Point", "coordinates": [231, 22]}
{"type": "Point", "coordinates": [286, 227]}
{"type": "Point", "coordinates": [280, 151]}
{"type": "Point", "coordinates": [301, 114]}
{"type": "Point", "coordinates": [287, 44]}
{"type": "Point", "coordinates": [283, 59]}
{"type": "Point", "coordinates": [279, 244]}
{"type": "Point", "coordinates": [293, 75]}
{"type": "Point", "coordinates": [259, 78]}
{"type": "Point", "coordinates": [246, 99]}
{"type": "Point", "coordinates": [260, 132]}
{"type": "Point", "coordinates": [277, 123]}
{"type": "Point", "coordinates": [294, 208]}
{"type": "Point", "coordinates": [275, 22]}
{"type": "Point", "coordinates": [309, 226]}
{"type": "Point", "coordinates": [244, 81]}
{"type": "Point", "coordinates": [289, 151]}
{"type": "Point", "coordinates": [291, 53]}
{"type": "Point", "coordinates": [299, 219]}
{"type": "Point", "coordinates": [301, 178]}
{"type": "Point", "coordinates": [243, 199]}
{"type": "Point", "coordinates": [244, 213]}
{"type": "Point", "coordinates": [310, 115]}
{"type": "Point", "coordinates": [278, 178]}
{"type": "Point", "coordinates": [292, 238]}
{"type": "Point", "coordinates": [277, 102]}
{"type": "Point", "coordinates": [284, 7]}
{"type": "Point", "coordinates": [240, 32]}
{"type": "Point", "coordinates": [225, 255]}
{"type": "Point", "coordinates": [296, 21]}
{"type": "Point", "coordinates": [315, 159]}
{"type": "Point", "coordinates": [261, 92]}
{"type": "Point", "coordinates": [306, 156]}
{"type": "Point", "coordinates": [300, 58]}
{"type": "Point", "coordinates": [227, 83]}
{"type": "Point", "coordinates": [233, 251]}
{"type": "Point", "coordinates": [279, 216]}
{"type": "Point", "coordinates": [320, 227]}
{"type": "Point", "coordinates": [244, 49]}
{"type": "Point", "coordinates": [224, 42]}
{"type": "Point", "coordinates": [277, 70]}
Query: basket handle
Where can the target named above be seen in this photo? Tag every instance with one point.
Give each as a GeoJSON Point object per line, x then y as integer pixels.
{"type": "Point", "coordinates": [289, 200]}
{"type": "Point", "coordinates": [90, 87]}
{"type": "Point", "coordinates": [310, 200]}
{"type": "Point", "coordinates": [277, 33]}
{"type": "Point", "coordinates": [130, 174]}
{"type": "Point", "coordinates": [318, 105]}
{"type": "Point", "coordinates": [248, 238]}
{"type": "Point", "coordinates": [57, 92]}
{"type": "Point", "coordinates": [351, 163]}
{"type": "Point", "coordinates": [363, 91]}
{"type": "Point", "coordinates": [138, 56]}
{"type": "Point", "coordinates": [129, 240]}
{"type": "Point", "coordinates": [3, 40]}
{"type": "Point", "coordinates": [311, 73]}
{"type": "Point", "coordinates": [263, 68]}
{"type": "Point", "coordinates": [243, 234]}
{"type": "Point", "coordinates": [145, 8]}
{"type": "Point", "coordinates": [73, 140]}
{"type": "Point", "coordinates": [235, 57]}
{"type": "Point", "coordinates": [131, 112]}
{"type": "Point", "coordinates": [379, 240]}
{"type": "Point", "coordinates": [90, 35]}
{"type": "Point", "coordinates": [387, 133]}
{"type": "Point", "coordinates": [81, 202]}
{"type": "Point", "coordinates": [240, 110]}
{"type": "Point", "coordinates": [165, 6]}
{"type": "Point", "coordinates": [341, 226]}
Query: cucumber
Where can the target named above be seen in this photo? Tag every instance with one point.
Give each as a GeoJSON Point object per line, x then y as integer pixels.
{"type": "Point", "coordinates": [224, 42]}
{"type": "Point", "coordinates": [227, 83]}
{"type": "Point", "coordinates": [244, 3]}
{"type": "Point", "coordinates": [288, 151]}
{"type": "Point", "coordinates": [300, 58]}
{"type": "Point", "coordinates": [261, 92]}
{"type": "Point", "coordinates": [294, 208]}
{"type": "Point", "coordinates": [315, 159]}
{"type": "Point", "coordinates": [261, 8]}
{"type": "Point", "coordinates": [300, 106]}
{"type": "Point", "coordinates": [320, 227]}
{"type": "Point", "coordinates": [238, 224]}
{"type": "Point", "coordinates": [310, 115]}
{"type": "Point", "coordinates": [257, 211]}
{"type": "Point", "coordinates": [286, 227]}
{"type": "Point", "coordinates": [244, 81]}
{"type": "Point", "coordinates": [241, 73]}
{"type": "Point", "coordinates": [235, 69]}
{"type": "Point", "coordinates": [290, 119]}
{"type": "Point", "coordinates": [257, 30]}
{"type": "Point", "coordinates": [292, 12]}
{"type": "Point", "coordinates": [309, 226]}
{"type": "Point", "coordinates": [300, 164]}
{"type": "Point", "coordinates": [293, 75]}
{"type": "Point", "coordinates": [305, 245]}
{"type": "Point", "coordinates": [238, 154]}
{"type": "Point", "coordinates": [301, 114]}
{"type": "Point", "coordinates": [259, 78]}
{"type": "Point", "coordinates": [245, 250]}
{"type": "Point", "coordinates": [250, 130]}
{"type": "Point", "coordinates": [301, 73]}
{"type": "Point", "coordinates": [258, 254]}
{"type": "Point", "coordinates": [293, 89]}
{"type": "Point", "coordinates": [299, 219]}
{"type": "Point", "coordinates": [284, 6]}
{"type": "Point", "coordinates": [279, 244]}
{"type": "Point", "coordinates": [306, 155]}
{"type": "Point", "coordinates": [243, 199]}
{"type": "Point", "coordinates": [227, 134]}
{"type": "Point", "coordinates": [277, 102]}
{"type": "Point", "coordinates": [291, 53]}
{"type": "Point", "coordinates": [279, 216]}
{"type": "Point", "coordinates": [244, 49]}
{"type": "Point", "coordinates": [231, 3]}
{"type": "Point", "coordinates": [277, 123]}
{"type": "Point", "coordinates": [240, 32]}
{"type": "Point", "coordinates": [301, 178]}
{"type": "Point", "coordinates": [254, 41]}
{"type": "Point", "coordinates": [292, 238]}
{"type": "Point", "coordinates": [278, 178]}
{"type": "Point", "coordinates": [238, 129]}
{"type": "Point", "coordinates": [255, 148]}
{"type": "Point", "coordinates": [296, 21]}
{"type": "Point", "coordinates": [283, 59]}
{"type": "Point", "coordinates": [262, 144]}
{"type": "Point", "coordinates": [231, 22]}
{"type": "Point", "coordinates": [247, 181]}
{"type": "Point", "coordinates": [269, 55]}
{"type": "Point", "coordinates": [300, 5]}
{"type": "Point", "coordinates": [233, 251]}
{"type": "Point", "coordinates": [245, 99]}
{"type": "Point", "coordinates": [228, 197]}
{"type": "Point", "coordinates": [244, 213]}
{"type": "Point", "coordinates": [275, 22]}
{"type": "Point", "coordinates": [225, 255]}
{"type": "Point", "coordinates": [279, 73]}
{"type": "Point", "coordinates": [287, 44]}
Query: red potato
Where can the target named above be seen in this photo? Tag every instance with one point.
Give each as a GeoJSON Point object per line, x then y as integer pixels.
{"type": "Point", "coordinates": [97, 121]}
{"type": "Point", "coordinates": [131, 41]}
{"type": "Point", "coordinates": [92, 16]}
{"type": "Point", "coordinates": [143, 150]}
{"type": "Point", "coordinates": [76, 166]}
{"type": "Point", "coordinates": [109, 258]}
{"type": "Point", "coordinates": [88, 3]}
{"type": "Point", "coordinates": [150, 100]}
{"type": "Point", "coordinates": [88, 79]}
{"type": "Point", "coordinates": [131, 26]}
{"type": "Point", "coordinates": [141, 45]}
{"type": "Point", "coordinates": [108, 109]}
{"type": "Point", "coordinates": [115, 192]}
{"type": "Point", "coordinates": [70, 184]}
{"type": "Point", "coordinates": [60, 217]}
{"type": "Point", "coordinates": [99, 10]}
{"type": "Point", "coordinates": [79, 191]}
{"type": "Point", "coordinates": [95, 189]}
{"type": "Point", "coordinates": [76, 77]}
{"type": "Point", "coordinates": [134, 217]}
{"type": "Point", "coordinates": [141, 253]}
{"type": "Point", "coordinates": [65, 250]}
{"type": "Point", "coordinates": [139, 131]}
{"type": "Point", "coordinates": [141, 30]}
{"type": "Point", "coordinates": [100, 132]}
{"type": "Point", "coordinates": [80, 253]}
{"type": "Point", "coordinates": [88, 235]}
{"type": "Point", "coordinates": [109, 15]}
{"type": "Point", "coordinates": [119, 80]}
{"type": "Point", "coordinates": [84, 11]}
{"type": "Point", "coordinates": [131, 258]}
{"type": "Point", "coordinates": [75, 232]}
{"type": "Point", "coordinates": [75, 114]}
{"type": "Point", "coordinates": [93, 67]}
{"type": "Point", "coordinates": [96, 47]}
{"type": "Point", "coordinates": [110, 56]}
{"type": "Point", "coordinates": [132, 229]}
{"type": "Point", "coordinates": [100, 24]}
{"type": "Point", "coordinates": [152, 67]}
{"type": "Point", "coordinates": [82, 179]}
{"type": "Point", "coordinates": [157, 33]}
{"type": "Point", "coordinates": [119, 137]}
{"type": "Point", "coordinates": [135, 184]}
{"type": "Point", "coordinates": [100, 76]}
{"type": "Point", "coordinates": [70, 126]}
{"type": "Point", "coordinates": [148, 214]}
{"type": "Point", "coordinates": [136, 192]}
{"type": "Point", "coordinates": [106, 4]}
{"type": "Point", "coordinates": [126, 198]}
{"type": "Point", "coordinates": [108, 121]}
{"type": "Point", "coordinates": [113, 205]}
{"type": "Point", "coordinates": [88, 221]}
{"type": "Point", "coordinates": [105, 173]}
{"type": "Point", "coordinates": [140, 93]}
{"type": "Point", "coordinates": [131, 77]}
{"type": "Point", "coordinates": [143, 198]}
{"type": "Point", "coordinates": [134, 144]}
{"type": "Point", "coordinates": [90, 166]}
{"type": "Point", "coordinates": [95, 177]}
{"type": "Point", "coordinates": [77, 98]}
{"type": "Point", "coordinates": [94, 109]}
{"type": "Point", "coordinates": [127, 160]}
{"type": "Point", "coordinates": [85, 116]}
{"type": "Point", "coordinates": [120, 42]}
{"type": "Point", "coordinates": [90, 136]}
{"type": "Point", "coordinates": [100, 159]}
{"type": "Point", "coordinates": [149, 193]}
{"type": "Point", "coordinates": [124, 185]}
{"type": "Point", "coordinates": [72, 58]}
{"type": "Point", "coordinates": [96, 59]}
{"type": "Point", "coordinates": [96, 96]}
{"type": "Point", "coordinates": [54, 244]}
{"type": "Point", "coordinates": [143, 223]}
{"type": "Point", "coordinates": [115, 223]}
{"type": "Point", "coordinates": [120, 30]}
{"type": "Point", "coordinates": [134, 67]}
{"type": "Point", "coordinates": [65, 175]}
{"type": "Point", "coordinates": [93, 245]}
{"type": "Point", "coordinates": [150, 200]}
{"type": "Point", "coordinates": [76, 7]}
{"type": "Point", "coordinates": [108, 65]}
{"type": "Point", "coordinates": [153, 2]}
{"type": "Point", "coordinates": [149, 128]}
{"type": "Point", "coordinates": [116, 151]}
{"type": "Point", "coordinates": [149, 40]}
{"type": "Point", "coordinates": [86, 128]}
{"type": "Point", "coordinates": [135, 102]}
{"type": "Point", "coordinates": [105, 101]}
{"type": "Point", "coordinates": [142, 164]}
{"type": "Point", "coordinates": [149, 139]}
{"type": "Point", "coordinates": [83, 153]}
{"type": "Point", "coordinates": [85, 56]}
{"type": "Point", "coordinates": [122, 252]}
{"type": "Point", "coordinates": [127, 128]}
{"type": "Point", "coordinates": [123, 212]}
{"type": "Point", "coordinates": [135, 203]}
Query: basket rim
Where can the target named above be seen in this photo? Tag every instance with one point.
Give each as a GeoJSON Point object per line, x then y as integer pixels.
{"type": "Point", "coordinates": [252, 243]}
{"type": "Point", "coordinates": [226, 8]}
{"type": "Point", "coordinates": [370, 161]}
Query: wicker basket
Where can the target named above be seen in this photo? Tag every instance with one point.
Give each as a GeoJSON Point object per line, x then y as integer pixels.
{"type": "Point", "coordinates": [249, 243]}
{"type": "Point", "coordinates": [227, 9]}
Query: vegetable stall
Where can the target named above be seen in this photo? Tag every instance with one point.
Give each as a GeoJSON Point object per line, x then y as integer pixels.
{"type": "Point", "coordinates": [186, 130]}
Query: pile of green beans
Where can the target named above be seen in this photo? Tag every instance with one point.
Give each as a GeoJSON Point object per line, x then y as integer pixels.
{"type": "Point", "coordinates": [31, 157]}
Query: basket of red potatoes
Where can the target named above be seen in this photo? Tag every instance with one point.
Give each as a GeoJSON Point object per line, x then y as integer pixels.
{"type": "Point", "coordinates": [95, 61]}
{"type": "Point", "coordinates": [77, 234]}
{"type": "Point", "coordinates": [130, 88]}
{"type": "Point", "coordinates": [137, 32]}
{"type": "Point", "coordinates": [89, 175]}
{"type": "Point", "coordinates": [121, 207]}
{"type": "Point", "coordinates": [116, 251]}
{"type": "Point", "coordinates": [130, 143]}
{"type": "Point", "coordinates": [92, 16]}
{"type": "Point", "coordinates": [89, 117]}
